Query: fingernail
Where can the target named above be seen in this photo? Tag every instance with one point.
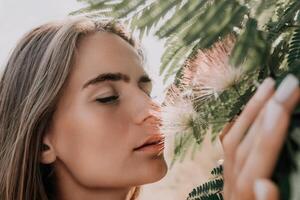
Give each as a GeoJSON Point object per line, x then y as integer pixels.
{"type": "Point", "coordinates": [260, 190]}
{"type": "Point", "coordinates": [220, 162]}
{"type": "Point", "coordinates": [266, 85]}
{"type": "Point", "coordinates": [289, 84]}
{"type": "Point", "coordinates": [272, 115]}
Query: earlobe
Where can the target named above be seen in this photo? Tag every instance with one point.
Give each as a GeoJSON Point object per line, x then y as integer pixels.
{"type": "Point", "coordinates": [48, 155]}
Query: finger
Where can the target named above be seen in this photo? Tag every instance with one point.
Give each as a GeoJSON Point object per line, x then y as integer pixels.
{"type": "Point", "coordinates": [265, 189]}
{"type": "Point", "coordinates": [250, 112]}
{"type": "Point", "coordinates": [270, 134]}
{"type": "Point", "coordinates": [236, 133]}
{"type": "Point", "coordinates": [247, 144]}
{"type": "Point", "coordinates": [225, 130]}
{"type": "Point", "coordinates": [274, 127]}
{"type": "Point", "coordinates": [290, 103]}
{"type": "Point", "coordinates": [265, 149]}
{"type": "Point", "coordinates": [243, 150]}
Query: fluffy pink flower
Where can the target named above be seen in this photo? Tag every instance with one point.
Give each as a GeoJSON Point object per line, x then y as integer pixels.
{"type": "Point", "coordinates": [209, 72]}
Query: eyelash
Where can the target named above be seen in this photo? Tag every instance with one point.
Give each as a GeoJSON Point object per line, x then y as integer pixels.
{"type": "Point", "coordinates": [113, 99]}
{"type": "Point", "coordinates": [108, 100]}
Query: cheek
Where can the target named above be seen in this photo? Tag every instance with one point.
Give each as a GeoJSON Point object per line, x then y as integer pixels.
{"type": "Point", "coordinates": [91, 143]}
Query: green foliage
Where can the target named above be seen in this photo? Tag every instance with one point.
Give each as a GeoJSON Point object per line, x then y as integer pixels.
{"type": "Point", "coordinates": [219, 111]}
{"type": "Point", "coordinates": [211, 190]}
{"type": "Point", "coordinates": [268, 44]}
{"type": "Point", "coordinates": [183, 142]}
{"type": "Point", "coordinates": [294, 49]}
{"type": "Point", "coordinates": [217, 171]}
{"type": "Point", "coordinates": [251, 50]}
{"type": "Point", "coordinates": [208, 20]}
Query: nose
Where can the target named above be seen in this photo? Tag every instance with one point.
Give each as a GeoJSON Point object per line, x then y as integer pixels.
{"type": "Point", "coordinates": [146, 111]}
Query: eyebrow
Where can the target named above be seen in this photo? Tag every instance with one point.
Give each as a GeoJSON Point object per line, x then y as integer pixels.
{"type": "Point", "coordinates": [114, 77]}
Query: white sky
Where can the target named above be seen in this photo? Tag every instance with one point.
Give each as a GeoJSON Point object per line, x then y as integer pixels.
{"type": "Point", "coordinates": [17, 17]}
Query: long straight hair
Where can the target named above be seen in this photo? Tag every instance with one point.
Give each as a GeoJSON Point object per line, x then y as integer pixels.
{"type": "Point", "coordinates": [30, 87]}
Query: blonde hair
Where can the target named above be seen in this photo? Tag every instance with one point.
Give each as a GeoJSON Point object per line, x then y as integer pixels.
{"type": "Point", "coordinates": [30, 87]}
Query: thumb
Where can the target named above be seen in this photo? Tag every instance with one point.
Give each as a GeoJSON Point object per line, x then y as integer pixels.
{"type": "Point", "coordinates": [264, 189]}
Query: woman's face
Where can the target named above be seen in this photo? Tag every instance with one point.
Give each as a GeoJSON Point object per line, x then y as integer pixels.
{"type": "Point", "coordinates": [99, 123]}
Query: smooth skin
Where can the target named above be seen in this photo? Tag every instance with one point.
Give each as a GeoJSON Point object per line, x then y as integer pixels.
{"type": "Point", "coordinates": [253, 142]}
{"type": "Point", "coordinates": [96, 126]}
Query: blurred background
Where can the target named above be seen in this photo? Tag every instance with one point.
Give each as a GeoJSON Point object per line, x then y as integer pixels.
{"type": "Point", "coordinates": [18, 17]}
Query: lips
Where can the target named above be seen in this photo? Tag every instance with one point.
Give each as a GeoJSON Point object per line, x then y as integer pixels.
{"type": "Point", "coordinates": [152, 140]}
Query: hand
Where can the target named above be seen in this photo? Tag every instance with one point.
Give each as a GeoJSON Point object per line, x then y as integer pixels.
{"type": "Point", "coordinates": [253, 142]}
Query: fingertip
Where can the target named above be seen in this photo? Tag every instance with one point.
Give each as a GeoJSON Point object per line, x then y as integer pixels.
{"type": "Point", "coordinates": [265, 90]}
{"type": "Point", "coordinates": [287, 94]}
{"type": "Point", "coordinates": [265, 189]}
{"type": "Point", "coordinates": [288, 86]}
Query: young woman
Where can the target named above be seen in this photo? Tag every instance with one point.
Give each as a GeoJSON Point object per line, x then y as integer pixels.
{"type": "Point", "coordinates": [77, 121]}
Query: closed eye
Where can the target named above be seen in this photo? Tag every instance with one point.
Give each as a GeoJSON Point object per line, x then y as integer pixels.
{"type": "Point", "coordinates": [107, 100]}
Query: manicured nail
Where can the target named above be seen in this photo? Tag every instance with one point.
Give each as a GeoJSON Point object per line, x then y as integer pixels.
{"type": "Point", "coordinates": [220, 162]}
{"type": "Point", "coordinates": [260, 190]}
{"type": "Point", "coordinates": [267, 85]}
{"type": "Point", "coordinates": [287, 87]}
{"type": "Point", "coordinates": [272, 115]}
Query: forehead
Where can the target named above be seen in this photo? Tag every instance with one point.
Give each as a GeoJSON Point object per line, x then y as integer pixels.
{"type": "Point", "coordinates": [104, 52]}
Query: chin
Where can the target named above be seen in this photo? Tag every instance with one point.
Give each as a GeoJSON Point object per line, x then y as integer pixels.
{"type": "Point", "coordinates": [156, 171]}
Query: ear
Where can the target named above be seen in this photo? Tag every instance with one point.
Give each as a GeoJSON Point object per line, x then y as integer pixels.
{"type": "Point", "coordinates": [48, 155]}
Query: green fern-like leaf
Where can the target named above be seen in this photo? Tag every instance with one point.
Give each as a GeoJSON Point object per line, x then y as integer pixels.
{"type": "Point", "coordinates": [250, 50]}
{"type": "Point", "coordinates": [217, 171]}
{"type": "Point", "coordinates": [151, 14]}
{"type": "Point", "coordinates": [176, 52]}
{"type": "Point", "coordinates": [283, 19]}
{"type": "Point", "coordinates": [202, 31]}
{"type": "Point", "coordinates": [93, 6]}
{"type": "Point", "coordinates": [294, 49]}
{"type": "Point", "coordinates": [182, 143]}
{"type": "Point", "coordinates": [114, 9]}
{"type": "Point", "coordinates": [180, 18]}
{"type": "Point", "coordinates": [216, 196]}
{"type": "Point", "coordinates": [211, 189]}
{"type": "Point", "coordinates": [216, 22]}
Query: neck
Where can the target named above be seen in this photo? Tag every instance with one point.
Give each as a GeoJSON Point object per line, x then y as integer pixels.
{"type": "Point", "coordinates": [70, 189]}
{"type": "Point", "coordinates": [71, 193]}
